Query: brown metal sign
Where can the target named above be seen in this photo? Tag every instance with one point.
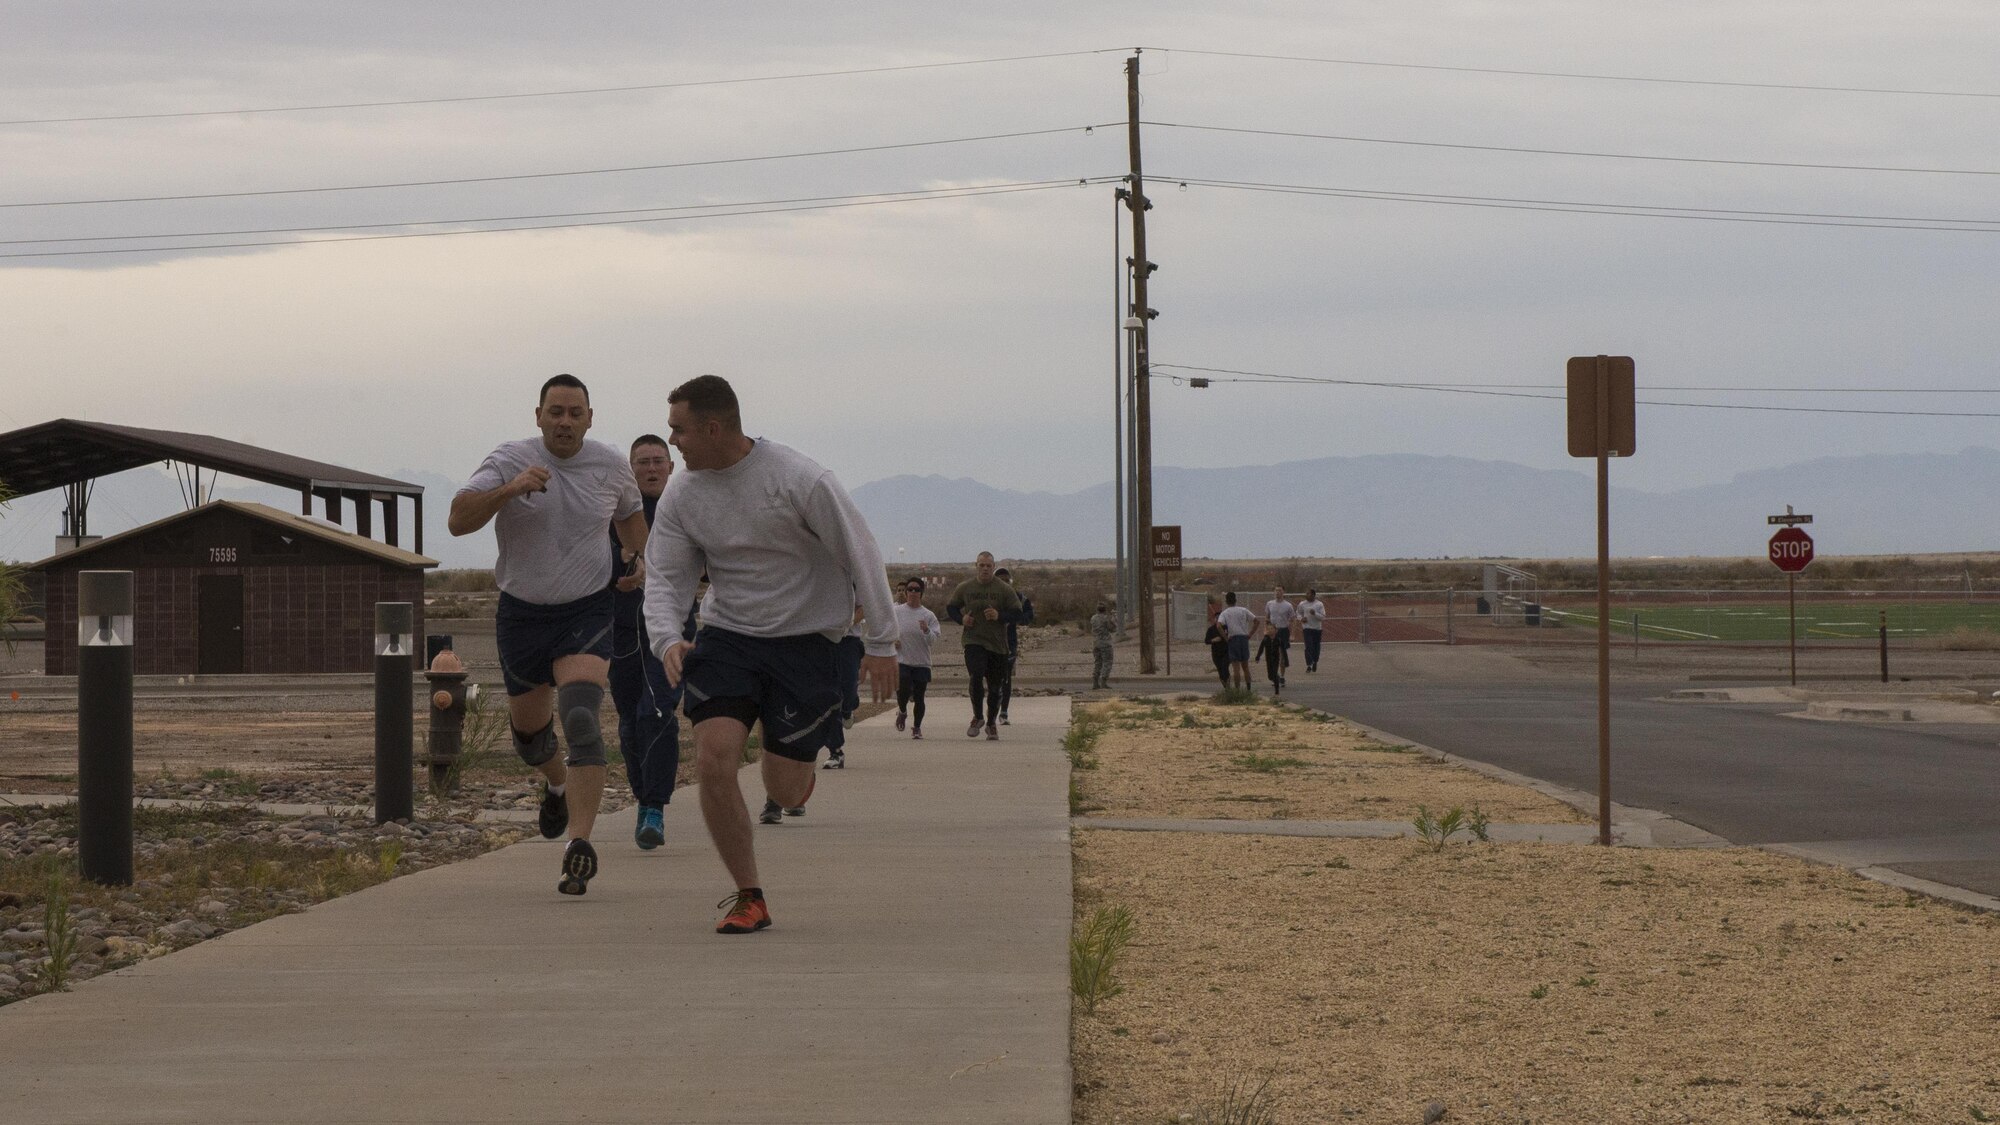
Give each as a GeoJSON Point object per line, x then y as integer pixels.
{"type": "Point", "coordinates": [1615, 374]}
{"type": "Point", "coordinates": [1167, 547]}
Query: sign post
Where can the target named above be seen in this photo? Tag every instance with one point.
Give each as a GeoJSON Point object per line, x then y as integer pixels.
{"type": "Point", "coordinates": [1167, 557]}
{"type": "Point", "coordinates": [1791, 551]}
{"type": "Point", "coordinates": [1602, 424]}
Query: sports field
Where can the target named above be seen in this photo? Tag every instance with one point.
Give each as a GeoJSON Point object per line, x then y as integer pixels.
{"type": "Point", "coordinates": [1853, 618]}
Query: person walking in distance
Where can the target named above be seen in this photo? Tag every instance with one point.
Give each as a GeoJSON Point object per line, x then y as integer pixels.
{"type": "Point", "coordinates": [983, 604]}
{"type": "Point", "coordinates": [1103, 634]}
{"type": "Point", "coordinates": [1217, 641]}
{"type": "Point", "coordinates": [1237, 624]}
{"type": "Point", "coordinates": [916, 628]}
{"type": "Point", "coordinates": [1026, 616]}
{"type": "Point", "coordinates": [1278, 615]}
{"type": "Point", "coordinates": [649, 731]}
{"type": "Point", "coordinates": [549, 499]}
{"type": "Point", "coordinates": [787, 557]}
{"type": "Point", "coordinates": [1312, 627]}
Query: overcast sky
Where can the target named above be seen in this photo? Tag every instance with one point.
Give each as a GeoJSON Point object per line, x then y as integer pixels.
{"type": "Point", "coordinates": [975, 336]}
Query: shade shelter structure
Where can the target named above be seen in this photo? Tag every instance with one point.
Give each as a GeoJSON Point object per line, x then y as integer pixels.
{"type": "Point", "coordinates": [235, 587]}
{"type": "Point", "coordinates": [70, 454]}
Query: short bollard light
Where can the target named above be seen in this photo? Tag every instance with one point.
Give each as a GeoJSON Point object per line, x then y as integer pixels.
{"type": "Point", "coordinates": [104, 725]}
{"type": "Point", "coordinates": [447, 733]}
{"type": "Point", "coordinates": [394, 721]}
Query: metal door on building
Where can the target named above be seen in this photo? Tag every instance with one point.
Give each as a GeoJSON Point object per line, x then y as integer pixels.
{"type": "Point", "coordinates": [219, 638]}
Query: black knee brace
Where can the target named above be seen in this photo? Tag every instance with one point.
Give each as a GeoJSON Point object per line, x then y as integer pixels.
{"type": "Point", "coordinates": [577, 705]}
{"type": "Point", "coordinates": [536, 748]}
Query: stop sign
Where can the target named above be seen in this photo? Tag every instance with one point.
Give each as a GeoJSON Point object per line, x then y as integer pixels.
{"type": "Point", "coordinates": [1791, 550]}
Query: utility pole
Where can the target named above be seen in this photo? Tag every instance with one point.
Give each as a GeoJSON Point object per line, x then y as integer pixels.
{"type": "Point", "coordinates": [1142, 397]}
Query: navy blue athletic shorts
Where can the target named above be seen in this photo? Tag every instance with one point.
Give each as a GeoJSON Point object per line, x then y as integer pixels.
{"type": "Point", "coordinates": [790, 684]}
{"type": "Point", "coordinates": [532, 637]}
{"type": "Point", "coordinates": [1239, 649]}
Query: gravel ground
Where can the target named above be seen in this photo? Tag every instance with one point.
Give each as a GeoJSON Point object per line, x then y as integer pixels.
{"type": "Point", "coordinates": [200, 871]}
{"type": "Point", "coordinates": [1378, 980]}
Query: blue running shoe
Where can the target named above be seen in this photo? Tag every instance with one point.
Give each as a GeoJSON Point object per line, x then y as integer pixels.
{"type": "Point", "coordinates": [652, 831]}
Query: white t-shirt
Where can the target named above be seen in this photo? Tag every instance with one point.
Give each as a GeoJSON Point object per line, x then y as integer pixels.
{"type": "Point", "coordinates": [1279, 613]}
{"type": "Point", "coordinates": [1236, 621]}
{"type": "Point", "coordinates": [1312, 614]}
{"type": "Point", "coordinates": [916, 628]}
{"type": "Point", "coordinates": [552, 541]}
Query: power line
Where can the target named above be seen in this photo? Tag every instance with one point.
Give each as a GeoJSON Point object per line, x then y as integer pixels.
{"type": "Point", "coordinates": [1633, 210]}
{"type": "Point", "coordinates": [1231, 375]}
{"type": "Point", "coordinates": [1574, 152]}
{"type": "Point", "coordinates": [950, 193]}
{"type": "Point", "coordinates": [553, 93]}
{"type": "Point", "coordinates": [1595, 77]}
{"type": "Point", "coordinates": [882, 196]}
{"type": "Point", "coordinates": [570, 172]}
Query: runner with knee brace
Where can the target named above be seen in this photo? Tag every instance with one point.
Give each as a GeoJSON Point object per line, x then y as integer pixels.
{"type": "Point", "coordinates": [788, 557]}
{"type": "Point", "coordinates": [549, 499]}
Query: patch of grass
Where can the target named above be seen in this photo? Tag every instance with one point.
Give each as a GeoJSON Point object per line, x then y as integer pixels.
{"type": "Point", "coordinates": [1267, 763]}
{"type": "Point", "coordinates": [1539, 992]}
{"type": "Point", "coordinates": [1080, 741]}
{"type": "Point", "coordinates": [1371, 747]}
{"type": "Point", "coordinates": [1241, 1104]}
{"type": "Point", "coordinates": [1236, 697]}
{"type": "Point", "coordinates": [1094, 952]}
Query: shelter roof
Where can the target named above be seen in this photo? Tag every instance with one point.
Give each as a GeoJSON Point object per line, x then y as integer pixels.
{"type": "Point", "coordinates": [67, 451]}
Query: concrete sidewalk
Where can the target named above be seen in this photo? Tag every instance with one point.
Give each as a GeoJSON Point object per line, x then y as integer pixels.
{"type": "Point", "coordinates": [916, 972]}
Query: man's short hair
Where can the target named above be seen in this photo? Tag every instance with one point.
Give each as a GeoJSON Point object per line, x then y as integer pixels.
{"type": "Point", "coordinates": [710, 396]}
{"type": "Point", "coordinates": [1312, 595]}
{"type": "Point", "coordinates": [652, 439]}
{"type": "Point", "coordinates": [1230, 597]}
{"type": "Point", "coordinates": [917, 582]}
{"type": "Point", "coordinates": [563, 380]}
{"type": "Point", "coordinates": [1100, 607]}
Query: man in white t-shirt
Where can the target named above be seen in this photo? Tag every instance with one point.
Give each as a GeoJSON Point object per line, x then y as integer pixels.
{"type": "Point", "coordinates": [1237, 624]}
{"type": "Point", "coordinates": [549, 499]}
{"type": "Point", "coordinates": [916, 628]}
{"type": "Point", "coordinates": [1312, 626]}
{"type": "Point", "coordinates": [1278, 614]}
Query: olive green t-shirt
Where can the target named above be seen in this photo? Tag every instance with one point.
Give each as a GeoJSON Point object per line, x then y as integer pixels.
{"type": "Point", "coordinates": [975, 598]}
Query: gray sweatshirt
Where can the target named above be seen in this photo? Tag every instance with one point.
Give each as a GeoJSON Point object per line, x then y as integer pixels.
{"type": "Point", "coordinates": [785, 550]}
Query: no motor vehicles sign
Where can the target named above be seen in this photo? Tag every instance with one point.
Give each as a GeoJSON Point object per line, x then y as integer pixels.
{"type": "Point", "coordinates": [1791, 550]}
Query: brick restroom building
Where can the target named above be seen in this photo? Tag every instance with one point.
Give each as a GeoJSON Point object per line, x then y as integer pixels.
{"type": "Point", "coordinates": [231, 587]}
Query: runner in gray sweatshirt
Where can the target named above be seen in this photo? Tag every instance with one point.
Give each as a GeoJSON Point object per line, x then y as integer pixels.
{"type": "Point", "coordinates": [787, 557]}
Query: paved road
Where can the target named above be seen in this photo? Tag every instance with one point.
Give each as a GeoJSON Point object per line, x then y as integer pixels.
{"type": "Point", "coordinates": [1915, 798]}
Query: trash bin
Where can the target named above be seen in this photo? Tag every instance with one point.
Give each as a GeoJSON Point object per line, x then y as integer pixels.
{"type": "Point", "coordinates": [1483, 606]}
{"type": "Point", "coordinates": [435, 643]}
{"type": "Point", "coordinates": [1531, 614]}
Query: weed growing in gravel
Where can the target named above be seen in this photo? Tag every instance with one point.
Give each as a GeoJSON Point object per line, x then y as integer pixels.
{"type": "Point", "coordinates": [1437, 831]}
{"type": "Point", "coordinates": [58, 936]}
{"type": "Point", "coordinates": [1094, 952]}
{"type": "Point", "coordinates": [1236, 697]}
{"type": "Point", "coordinates": [1243, 1104]}
{"type": "Point", "coordinates": [480, 733]}
{"type": "Point", "coordinates": [388, 856]}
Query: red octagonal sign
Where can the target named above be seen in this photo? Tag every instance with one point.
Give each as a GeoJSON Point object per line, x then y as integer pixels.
{"type": "Point", "coordinates": [1791, 550]}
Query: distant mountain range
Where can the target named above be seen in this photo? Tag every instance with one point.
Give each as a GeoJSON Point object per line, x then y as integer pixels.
{"type": "Point", "coordinates": [1412, 506]}
{"type": "Point", "coordinates": [1385, 506]}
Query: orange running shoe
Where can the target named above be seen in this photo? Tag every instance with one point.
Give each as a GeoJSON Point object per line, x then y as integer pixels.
{"type": "Point", "coordinates": [747, 913]}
